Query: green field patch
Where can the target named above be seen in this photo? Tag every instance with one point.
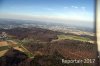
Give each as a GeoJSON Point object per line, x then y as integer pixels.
{"type": "Point", "coordinates": [4, 48]}
{"type": "Point", "coordinates": [63, 37]}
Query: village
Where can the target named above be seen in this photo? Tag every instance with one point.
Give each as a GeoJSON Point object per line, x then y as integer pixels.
{"type": "Point", "coordinates": [3, 36]}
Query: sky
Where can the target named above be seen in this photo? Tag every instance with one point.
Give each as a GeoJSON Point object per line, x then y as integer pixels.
{"type": "Point", "coordinates": [48, 10]}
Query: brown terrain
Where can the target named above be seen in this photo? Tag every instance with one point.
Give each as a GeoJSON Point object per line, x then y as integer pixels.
{"type": "Point", "coordinates": [3, 43]}
{"type": "Point", "coordinates": [45, 52]}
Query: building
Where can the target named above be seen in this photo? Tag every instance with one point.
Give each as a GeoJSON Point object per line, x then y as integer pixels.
{"type": "Point", "coordinates": [3, 36]}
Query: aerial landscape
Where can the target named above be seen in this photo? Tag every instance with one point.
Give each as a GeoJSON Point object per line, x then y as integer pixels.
{"type": "Point", "coordinates": [47, 33]}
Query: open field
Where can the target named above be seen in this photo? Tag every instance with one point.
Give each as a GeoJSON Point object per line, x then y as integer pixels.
{"type": "Point", "coordinates": [71, 37]}
{"type": "Point", "coordinates": [3, 43]}
{"type": "Point", "coordinates": [4, 48]}
{"type": "Point", "coordinates": [3, 52]}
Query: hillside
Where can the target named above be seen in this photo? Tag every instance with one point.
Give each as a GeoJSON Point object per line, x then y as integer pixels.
{"type": "Point", "coordinates": [44, 47]}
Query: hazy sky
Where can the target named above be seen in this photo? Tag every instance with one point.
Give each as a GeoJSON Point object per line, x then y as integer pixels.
{"type": "Point", "coordinates": [75, 10]}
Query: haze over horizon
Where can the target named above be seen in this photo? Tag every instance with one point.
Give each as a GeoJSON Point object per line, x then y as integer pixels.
{"type": "Point", "coordinates": [74, 11]}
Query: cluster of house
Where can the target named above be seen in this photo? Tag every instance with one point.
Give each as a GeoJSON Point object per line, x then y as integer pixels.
{"type": "Point", "coordinates": [3, 36]}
